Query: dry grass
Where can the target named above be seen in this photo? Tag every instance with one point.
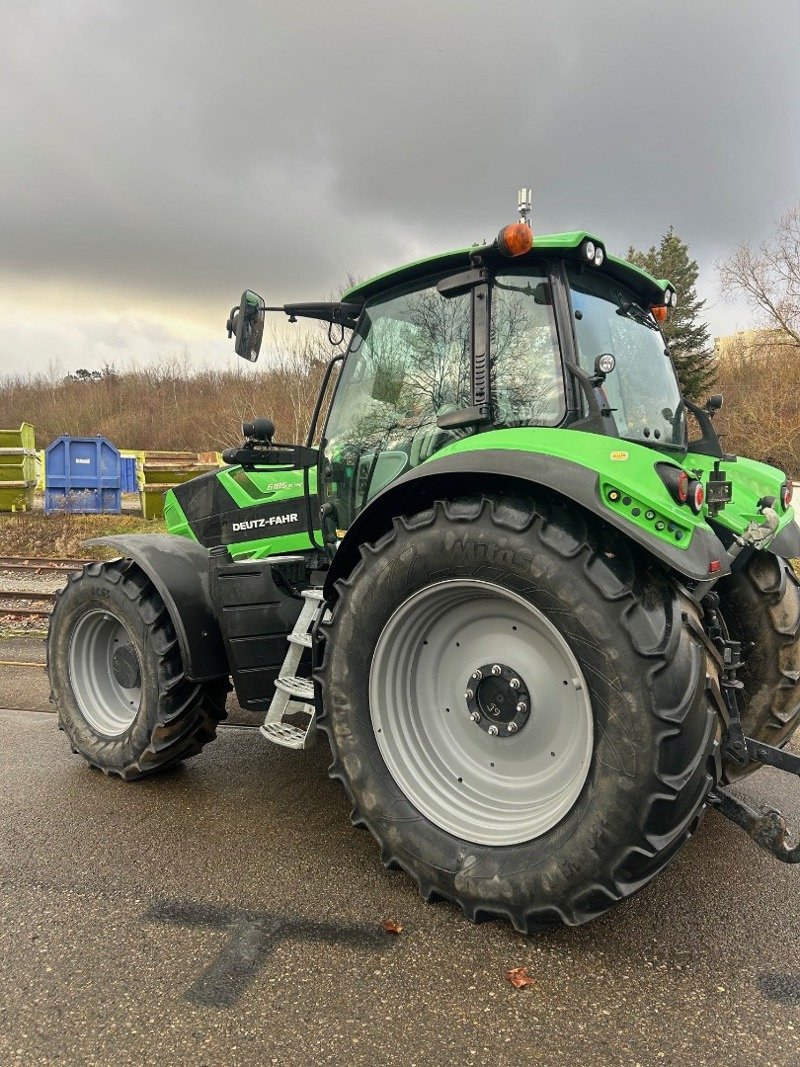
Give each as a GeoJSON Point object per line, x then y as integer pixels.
{"type": "Point", "coordinates": [761, 416]}
{"type": "Point", "coordinates": [172, 405]}
{"type": "Point", "coordinates": [34, 534]}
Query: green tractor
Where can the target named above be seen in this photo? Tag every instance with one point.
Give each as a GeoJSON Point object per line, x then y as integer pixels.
{"type": "Point", "coordinates": [542, 623]}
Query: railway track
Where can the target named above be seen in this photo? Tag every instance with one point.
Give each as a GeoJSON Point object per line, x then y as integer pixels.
{"type": "Point", "coordinates": [10, 602]}
{"type": "Point", "coordinates": [40, 565]}
{"type": "Point", "coordinates": [36, 603]}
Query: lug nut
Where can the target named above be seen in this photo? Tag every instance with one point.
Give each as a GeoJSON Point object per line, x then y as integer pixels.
{"type": "Point", "coordinates": [514, 683]}
{"type": "Point", "coordinates": [477, 675]}
{"type": "Point", "coordinates": [512, 727]}
{"type": "Point", "coordinates": [475, 716]}
{"type": "Point", "coordinates": [495, 669]}
{"type": "Point", "coordinates": [492, 730]}
{"type": "Point", "coordinates": [469, 694]}
{"type": "Point", "coordinates": [522, 706]}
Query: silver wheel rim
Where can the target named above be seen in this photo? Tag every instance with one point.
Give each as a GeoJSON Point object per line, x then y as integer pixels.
{"type": "Point", "coordinates": [489, 790]}
{"type": "Point", "coordinates": [107, 705]}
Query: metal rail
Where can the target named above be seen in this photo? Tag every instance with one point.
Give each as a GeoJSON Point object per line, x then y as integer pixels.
{"type": "Point", "coordinates": [38, 568]}
{"type": "Point", "coordinates": [22, 595]}
{"type": "Point", "coordinates": [36, 564]}
{"type": "Point", "coordinates": [26, 594]}
{"type": "Point", "coordinates": [23, 612]}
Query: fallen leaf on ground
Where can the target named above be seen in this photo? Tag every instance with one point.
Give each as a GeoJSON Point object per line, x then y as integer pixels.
{"type": "Point", "coordinates": [519, 977]}
{"type": "Point", "coordinates": [392, 927]}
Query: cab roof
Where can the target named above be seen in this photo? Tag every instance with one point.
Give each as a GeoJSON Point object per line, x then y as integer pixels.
{"type": "Point", "coordinates": [567, 244]}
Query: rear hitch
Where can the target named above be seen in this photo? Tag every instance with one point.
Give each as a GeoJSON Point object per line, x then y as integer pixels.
{"type": "Point", "coordinates": [768, 828]}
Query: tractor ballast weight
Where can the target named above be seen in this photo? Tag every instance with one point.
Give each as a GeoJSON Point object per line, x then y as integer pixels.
{"type": "Point", "coordinates": [541, 628]}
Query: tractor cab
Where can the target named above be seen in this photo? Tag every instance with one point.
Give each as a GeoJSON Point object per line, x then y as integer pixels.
{"type": "Point", "coordinates": [560, 335]}
{"type": "Point", "coordinates": [498, 355]}
{"type": "Point", "coordinates": [535, 332]}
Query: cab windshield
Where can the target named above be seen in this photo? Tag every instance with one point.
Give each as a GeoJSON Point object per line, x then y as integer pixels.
{"type": "Point", "coordinates": [642, 390]}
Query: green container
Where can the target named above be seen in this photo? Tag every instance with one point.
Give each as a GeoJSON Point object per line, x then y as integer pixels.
{"type": "Point", "coordinates": [18, 473]}
{"type": "Point", "coordinates": [16, 497]}
{"type": "Point", "coordinates": [162, 471]}
{"type": "Point", "coordinates": [18, 465]}
{"type": "Point", "coordinates": [24, 437]}
{"type": "Point", "coordinates": [152, 502]}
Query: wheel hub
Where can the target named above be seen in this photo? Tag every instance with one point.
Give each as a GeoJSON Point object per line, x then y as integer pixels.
{"type": "Point", "coordinates": [498, 700]}
{"type": "Point", "coordinates": [498, 788]}
{"type": "Point", "coordinates": [125, 665]}
{"type": "Point", "coordinates": [105, 672]}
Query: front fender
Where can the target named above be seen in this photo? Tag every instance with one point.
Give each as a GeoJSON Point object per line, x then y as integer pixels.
{"type": "Point", "coordinates": [506, 470]}
{"type": "Point", "coordinates": [178, 568]}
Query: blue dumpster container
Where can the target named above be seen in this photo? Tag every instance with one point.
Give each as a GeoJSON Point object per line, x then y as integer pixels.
{"type": "Point", "coordinates": [82, 474]}
{"type": "Point", "coordinates": [129, 481]}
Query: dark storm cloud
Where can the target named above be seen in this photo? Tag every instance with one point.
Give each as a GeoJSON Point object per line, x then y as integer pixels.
{"type": "Point", "coordinates": [192, 148]}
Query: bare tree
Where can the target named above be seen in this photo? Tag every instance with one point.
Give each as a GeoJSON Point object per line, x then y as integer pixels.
{"type": "Point", "coordinates": [769, 278]}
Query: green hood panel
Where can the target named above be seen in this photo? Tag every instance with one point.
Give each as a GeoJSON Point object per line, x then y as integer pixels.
{"type": "Point", "coordinates": [630, 469]}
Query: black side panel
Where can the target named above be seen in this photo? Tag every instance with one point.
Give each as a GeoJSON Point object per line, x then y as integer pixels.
{"type": "Point", "coordinates": [502, 470]}
{"type": "Point", "coordinates": [178, 568]}
{"type": "Point", "coordinates": [255, 612]}
{"type": "Point", "coordinates": [787, 543]}
{"type": "Point", "coordinates": [216, 518]}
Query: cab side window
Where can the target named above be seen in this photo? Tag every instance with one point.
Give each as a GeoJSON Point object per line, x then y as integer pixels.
{"type": "Point", "coordinates": [527, 381]}
{"type": "Point", "coordinates": [408, 363]}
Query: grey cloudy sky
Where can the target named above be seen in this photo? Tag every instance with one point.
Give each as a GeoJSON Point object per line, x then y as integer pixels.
{"type": "Point", "coordinates": [158, 157]}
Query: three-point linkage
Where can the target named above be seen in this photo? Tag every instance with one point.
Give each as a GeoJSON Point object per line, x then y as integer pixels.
{"type": "Point", "coordinates": [768, 828]}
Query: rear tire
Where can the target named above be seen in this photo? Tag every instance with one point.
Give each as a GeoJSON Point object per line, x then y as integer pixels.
{"type": "Point", "coordinates": [653, 725]}
{"type": "Point", "coordinates": [117, 678]}
{"type": "Point", "coordinates": [761, 607]}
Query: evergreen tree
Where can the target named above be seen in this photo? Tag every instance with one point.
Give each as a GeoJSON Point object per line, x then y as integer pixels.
{"type": "Point", "coordinates": [686, 335]}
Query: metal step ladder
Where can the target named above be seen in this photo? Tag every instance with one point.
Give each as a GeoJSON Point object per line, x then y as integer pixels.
{"type": "Point", "coordinates": [294, 695]}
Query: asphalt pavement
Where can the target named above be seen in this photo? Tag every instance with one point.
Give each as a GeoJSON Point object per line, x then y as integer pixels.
{"type": "Point", "coordinates": [227, 913]}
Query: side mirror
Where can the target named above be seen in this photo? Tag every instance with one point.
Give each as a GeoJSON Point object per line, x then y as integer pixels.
{"type": "Point", "coordinates": [713, 404]}
{"type": "Point", "coordinates": [247, 323]}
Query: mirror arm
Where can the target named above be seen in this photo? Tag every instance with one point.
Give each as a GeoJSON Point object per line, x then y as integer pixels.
{"type": "Point", "coordinates": [343, 313]}
{"type": "Point", "coordinates": [709, 443]}
{"type": "Point", "coordinates": [587, 384]}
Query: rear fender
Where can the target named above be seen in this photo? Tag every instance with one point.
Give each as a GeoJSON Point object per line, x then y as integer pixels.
{"type": "Point", "coordinates": [505, 471]}
{"type": "Point", "coordinates": [178, 568]}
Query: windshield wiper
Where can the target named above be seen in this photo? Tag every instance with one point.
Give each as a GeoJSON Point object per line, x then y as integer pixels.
{"type": "Point", "coordinates": [540, 292]}
{"type": "Point", "coordinates": [632, 310]}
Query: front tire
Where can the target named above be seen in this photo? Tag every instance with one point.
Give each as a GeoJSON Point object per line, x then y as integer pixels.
{"type": "Point", "coordinates": [620, 809]}
{"type": "Point", "coordinates": [117, 678]}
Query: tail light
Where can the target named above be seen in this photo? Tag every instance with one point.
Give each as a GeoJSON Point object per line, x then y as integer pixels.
{"type": "Point", "coordinates": [787, 490]}
{"type": "Point", "coordinates": [697, 496]}
{"type": "Point", "coordinates": [676, 480]}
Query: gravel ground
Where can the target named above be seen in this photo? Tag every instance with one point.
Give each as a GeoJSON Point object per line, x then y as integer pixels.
{"type": "Point", "coordinates": [21, 581]}
{"type": "Point", "coordinates": [32, 582]}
